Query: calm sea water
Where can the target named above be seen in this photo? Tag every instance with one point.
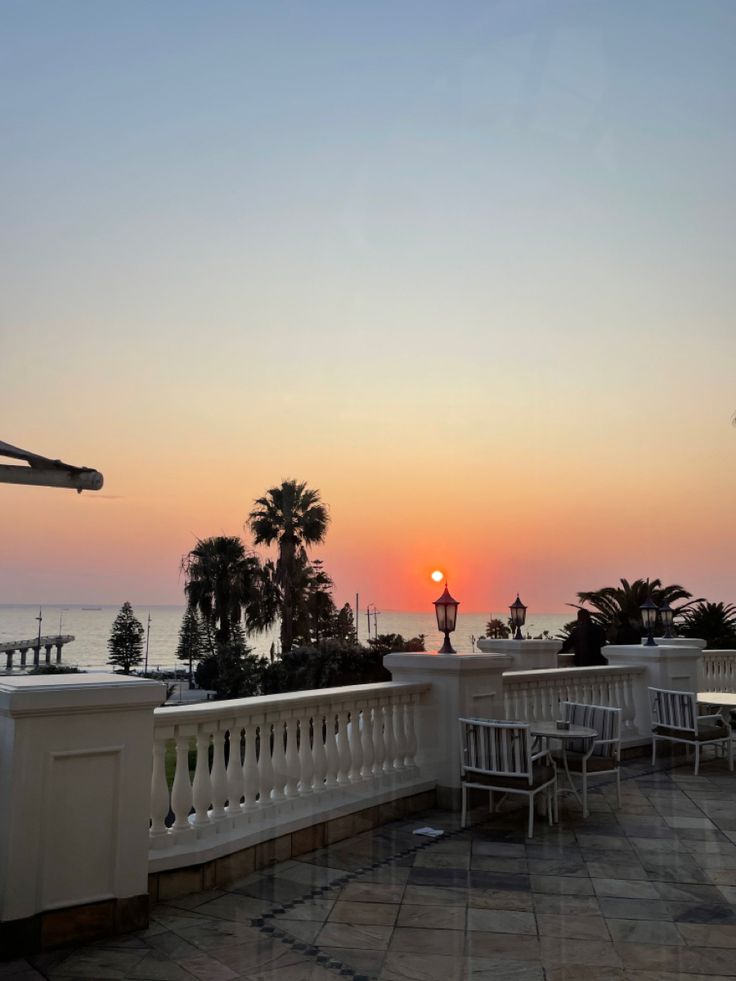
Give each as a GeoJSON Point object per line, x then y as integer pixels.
{"type": "Point", "coordinates": [91, 628]}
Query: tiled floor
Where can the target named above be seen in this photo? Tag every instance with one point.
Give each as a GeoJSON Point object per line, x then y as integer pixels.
{"type": "Point", "coordinates": [647, 891]}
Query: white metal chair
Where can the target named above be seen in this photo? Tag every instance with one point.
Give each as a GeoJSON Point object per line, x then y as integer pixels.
{"type": "Point", "coordinates": [498, 756]}
{"type": "Point", "coordinates": [592, 757]}
{"type": "Point", "coordinates": [675, 719]}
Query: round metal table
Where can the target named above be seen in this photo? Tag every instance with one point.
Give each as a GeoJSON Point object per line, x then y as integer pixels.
{"type": "Point", "coordinates": [549, 730]}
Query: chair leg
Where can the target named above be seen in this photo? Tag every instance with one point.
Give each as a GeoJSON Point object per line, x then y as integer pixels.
{"type": "Point", "coordinates": [730, 754]}
{"type": "Point", "coordinates": [654, 750]}
{"type": "Point", "coordinates": [697, 758]}
{"type": "Point", "coordinates": [585, 789]}
{"type": "Point", "coordinates": [490, 802]}
{"type": "Point", "coordinates": [530, 833]}
{"type": "Point", "coordinates": [549, 807]}
{"type": "Point", "coordinates": [618, 785]}
{"type": "Point", "coordinates": [465, 806]}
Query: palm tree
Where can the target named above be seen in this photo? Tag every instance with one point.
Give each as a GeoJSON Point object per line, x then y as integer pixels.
{"type": "Point", "coordinates": [226, 583]}
{"type": "Point", "coordinates": [715, 623]}
{"type": "Point", "coordinates": [618, 608]}
{"type": "Point", "coordinates": [293, 517]}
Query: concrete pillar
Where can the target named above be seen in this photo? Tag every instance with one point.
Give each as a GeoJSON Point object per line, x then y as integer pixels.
{"type": "Point", "coordinates": [527, 655]}
{"type": "Point", "coordinates": [48, 652]}
{"type": "Point", "coordinates": [670, 666]}
{"type": "Point", "coordinates": [9, 660]}
{"type": "Point", "coordinates": [463, 686]}
{"type": "Point", "coordinates": [36, 656]}
{"type": "Point", "coordinates": [58, 653]}
{"type": "Point", "coordinates": [75, 767]}
{"type": "Point", "coordinates": [23, 655]}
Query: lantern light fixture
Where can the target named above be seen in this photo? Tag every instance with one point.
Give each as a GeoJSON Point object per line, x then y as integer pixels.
{"type": "Point", "coordinates": [649, 612]}
{"type": "Point", "coordinates": [667, 616]}
{"type": "Point", "coordinates": [518, 617]}
{"type": "Point", "coordinates": [446, 610]}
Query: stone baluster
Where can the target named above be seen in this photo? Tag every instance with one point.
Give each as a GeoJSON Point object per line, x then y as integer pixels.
{"type": "Point", "coordinates": [356, 745]}
{"type": "Point", "coordinates": [159, 788]}
{"type": "Point", "coordinates": [219, 776]}
{"type": "Point", "coordinates": [181, 791]}
{"type": "Point", "coordinates": [333, 760]}
{"type": "Point", "coordinates": [306, 759]}
{"type": "Point", "coordinates": [319, 756]}
{"type": "Point", "coordinates": [400, 734]}
{"type": "Point", "coordinates": [250, 766]}
{"type": "Point", "coordinates": [202, 786]}
{"type": "Point", "coordinates": [234, 769]}
{"type": "Point", "coordinates": [343, 773]}
{"type": "Point", "coordinates": [366, 742]}
{"type": "Point", "coordinates": [265, 766]}
{"type": "Point", "coordinates": [379, 746]}
{"type": "Point", "coordinates": [279, 760]}
{"type": "Point", "coordinates": [292, 758]}
{"type": "Point", "coordinates": [411, 731]}
{"type": "Point", "coordinates": [389, 738]}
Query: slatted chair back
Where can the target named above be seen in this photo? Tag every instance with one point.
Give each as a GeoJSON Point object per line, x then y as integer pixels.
{"type": "Point", "coordinates": [673, 709]}
{"type": "Point", "coordinates": [496, 748]}
{"type": "Point", "coordinates": [603, 718]}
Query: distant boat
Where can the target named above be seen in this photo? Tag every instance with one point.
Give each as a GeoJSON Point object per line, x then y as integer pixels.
{"type": "Point", "coordinates": [91, 607]}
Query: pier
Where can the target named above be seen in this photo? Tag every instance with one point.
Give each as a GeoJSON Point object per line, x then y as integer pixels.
{"type": "Point", "coordinates": [12, 647]}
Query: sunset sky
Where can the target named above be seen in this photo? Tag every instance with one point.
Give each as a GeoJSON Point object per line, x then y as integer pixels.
{"type": "Point", "coordinates": [467, 268]}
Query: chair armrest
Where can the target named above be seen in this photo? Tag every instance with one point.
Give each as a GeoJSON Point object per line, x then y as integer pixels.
{"type": "Point", "coordinates": [710, 718]}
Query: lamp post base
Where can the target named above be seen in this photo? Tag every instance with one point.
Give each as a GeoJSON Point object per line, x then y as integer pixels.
{"type": "Point", "coordinates": [447, 647]}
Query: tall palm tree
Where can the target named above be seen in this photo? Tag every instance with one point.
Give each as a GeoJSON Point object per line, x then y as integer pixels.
{"type": "Point", "coordinates": [293, 517]}
{"type": "Point", "coordinates": [617, 608]}
{"type": "Point", "coordinates": [226, 583]}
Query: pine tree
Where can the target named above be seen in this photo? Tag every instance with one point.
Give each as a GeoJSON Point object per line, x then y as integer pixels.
{"type": "Point", "coordinates": [126, 640]}
{"type": "Point", "coordinates": [192, 643]}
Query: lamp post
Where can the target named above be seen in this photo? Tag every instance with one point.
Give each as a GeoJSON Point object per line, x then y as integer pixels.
{"type": "Point", "coordinates": [667, 616]}
{"type": "Point", "coordinates": [648, 619]}
{"type": "Point", "coordinates": [446, 610]}
{"type": "Point", "coordinates": [38, 644]}
{"type": "Point", "coordinates": [518, 617]}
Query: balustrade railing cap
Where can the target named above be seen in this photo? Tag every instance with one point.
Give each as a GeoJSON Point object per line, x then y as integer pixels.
{"type": "Point", "coordinates": [540, 674]}
{"type": "Point", "coordinates": [288, 701]}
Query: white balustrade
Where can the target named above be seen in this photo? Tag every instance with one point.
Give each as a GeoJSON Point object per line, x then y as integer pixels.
{"type": "Point", "coordinates": [536, 695]}
{"type": "Point", "coordinates": [717, 671]}
{"type": "Point", "coordinates": [258, 758]}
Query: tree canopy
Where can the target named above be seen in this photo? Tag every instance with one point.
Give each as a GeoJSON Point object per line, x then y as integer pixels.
{"type": "Point", "coordinates": [228, 585]}
{"type": "Point", "coordinates": [618, 608]}
{"type": "Point", "coordinates": [293, 517]}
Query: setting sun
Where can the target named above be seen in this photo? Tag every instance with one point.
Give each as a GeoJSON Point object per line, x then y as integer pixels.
{"type": "Point", "coordinates": [438, 576]}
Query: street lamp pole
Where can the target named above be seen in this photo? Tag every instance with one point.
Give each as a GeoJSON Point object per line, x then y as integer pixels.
{"type": "Point", "coordinates": [38, 645]}
{"type": "Point", "coordinates": [148, 634]}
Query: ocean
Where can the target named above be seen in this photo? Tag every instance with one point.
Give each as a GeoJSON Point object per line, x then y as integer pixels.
{"type": "Point", "coordinates": [91, 626]}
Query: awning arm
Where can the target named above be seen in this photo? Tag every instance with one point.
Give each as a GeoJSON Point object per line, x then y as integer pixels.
{"type": "Point", "coordinates": [44, 472]}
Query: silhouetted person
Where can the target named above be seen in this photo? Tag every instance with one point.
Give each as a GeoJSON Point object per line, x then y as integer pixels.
{"type": "Point", "coordinates": [586, 639]}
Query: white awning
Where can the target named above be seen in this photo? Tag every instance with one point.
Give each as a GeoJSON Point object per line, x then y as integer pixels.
{"type": "Point", "coordinates": [41, 471]}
